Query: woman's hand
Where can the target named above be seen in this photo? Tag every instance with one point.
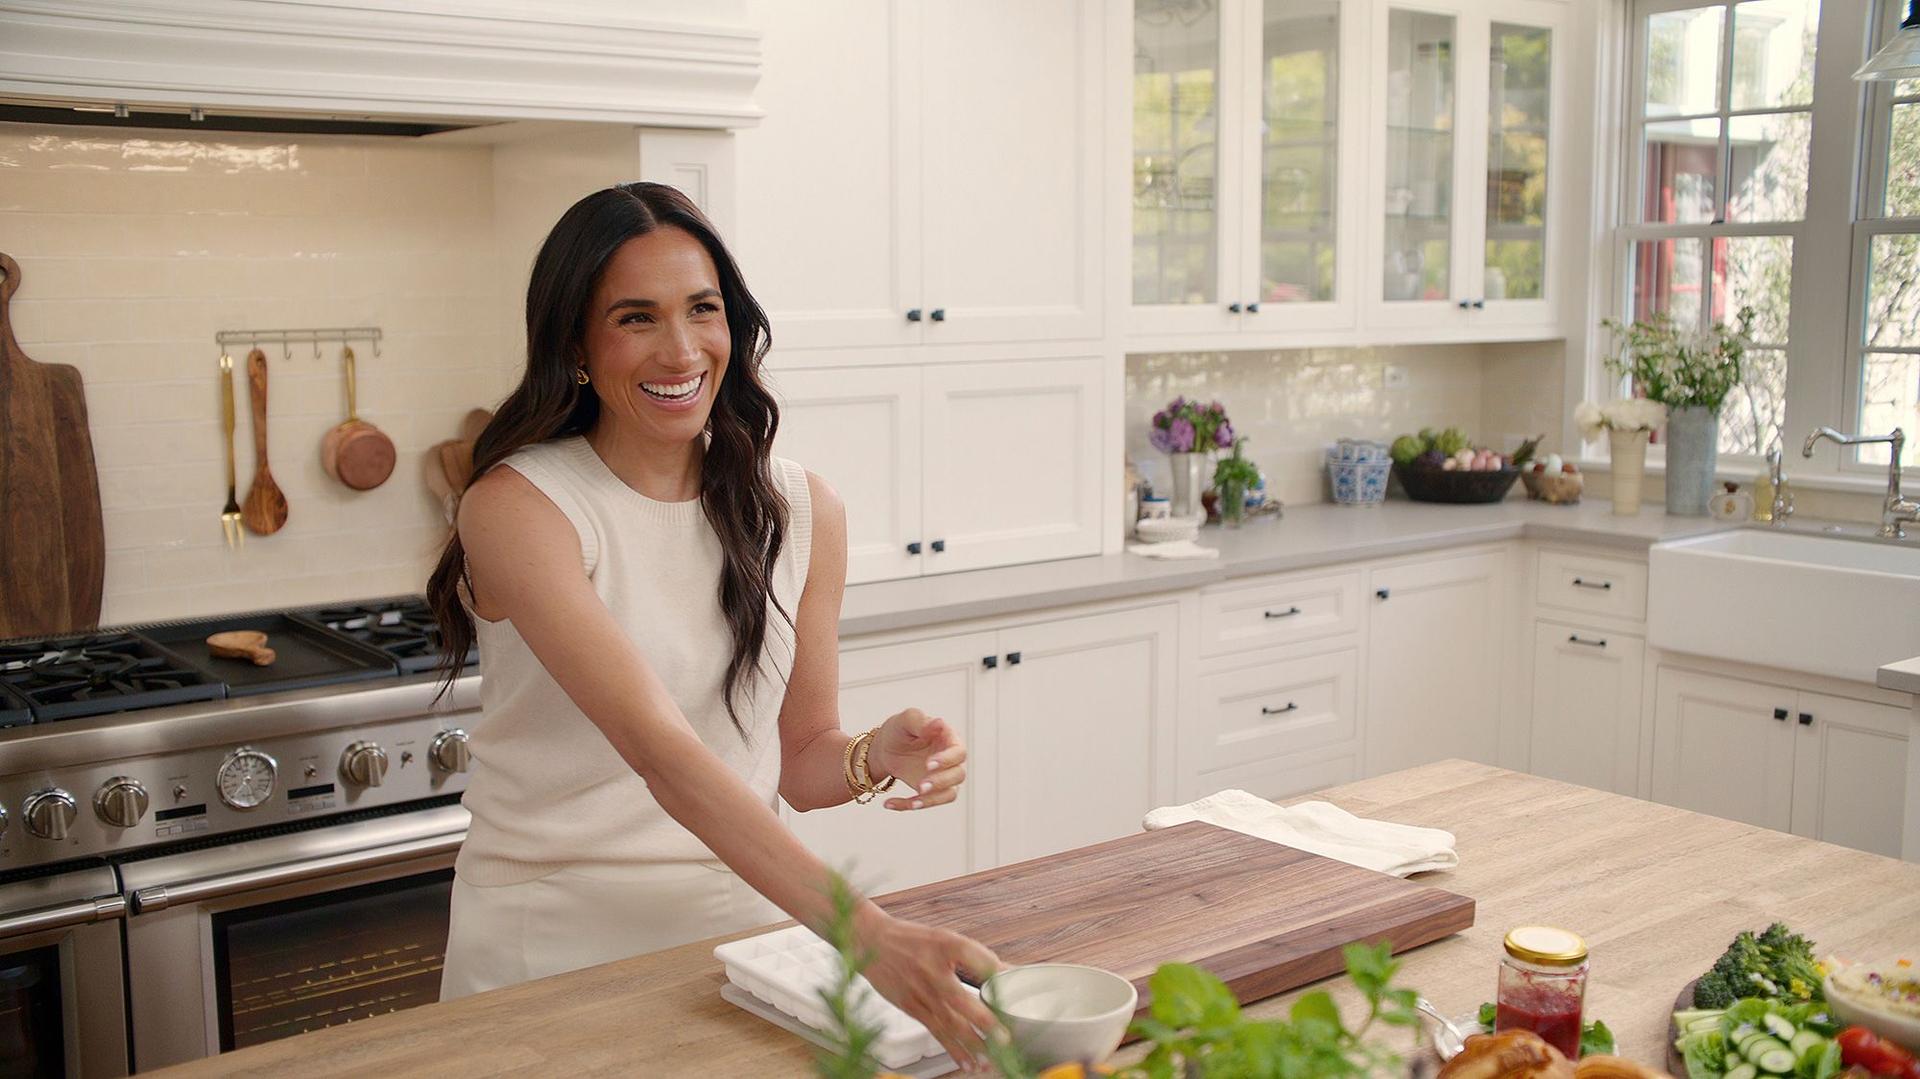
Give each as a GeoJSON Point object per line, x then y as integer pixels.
{"type": "Point", "coordinates": [923, 752]}
{"type": "Point", "coordinates": [916, 967]}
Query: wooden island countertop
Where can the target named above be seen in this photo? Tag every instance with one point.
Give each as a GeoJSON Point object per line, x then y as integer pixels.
{"type": "Point", "coordinates": [1657, 892]}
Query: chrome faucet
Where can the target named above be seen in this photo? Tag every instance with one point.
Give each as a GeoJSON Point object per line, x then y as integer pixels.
{"type": "Point", "coordinates": [1895, 511]}
{"type": "Point", "coordinates": [1782, 507]}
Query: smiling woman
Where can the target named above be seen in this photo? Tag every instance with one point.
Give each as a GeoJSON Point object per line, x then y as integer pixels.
{"type": "Point", "coordinates": [658, 599]}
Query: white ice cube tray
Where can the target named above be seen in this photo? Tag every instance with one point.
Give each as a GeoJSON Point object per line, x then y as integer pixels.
{"type": "Point", "coordinates": [789, 968]}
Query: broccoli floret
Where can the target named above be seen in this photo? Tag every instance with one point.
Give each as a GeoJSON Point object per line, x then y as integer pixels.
{"type": "Point", "coordinates": [1713, 991]}
{"type": "Point", "coordinates": [1775, 963]}
{"type": "Point", "coordinates": [1791, 965]}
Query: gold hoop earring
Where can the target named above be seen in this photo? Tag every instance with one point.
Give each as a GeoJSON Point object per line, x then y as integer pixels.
{"type": "Point", "coordinates": [580, 375]}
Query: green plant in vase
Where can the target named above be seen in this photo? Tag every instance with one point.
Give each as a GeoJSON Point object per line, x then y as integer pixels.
{"type": "Point", "coordinates": [1691, 372]}
{"type": "Point", "coordinates": [1233, 477]}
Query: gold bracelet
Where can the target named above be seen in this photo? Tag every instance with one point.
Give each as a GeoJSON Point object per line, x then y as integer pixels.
{"type": "Point", "coordinates": [865, 774]}
{"type": "Point", "coordinates": [846, 768]}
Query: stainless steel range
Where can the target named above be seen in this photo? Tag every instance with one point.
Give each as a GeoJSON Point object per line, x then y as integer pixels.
{"type": "Point", "coordinates": [272, 859]}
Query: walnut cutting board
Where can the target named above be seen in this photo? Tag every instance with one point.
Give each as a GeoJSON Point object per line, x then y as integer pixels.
{"type": "Point", "coordinates": [52, 545]}
{"type": "Point", "coordinates": [1262, 917]}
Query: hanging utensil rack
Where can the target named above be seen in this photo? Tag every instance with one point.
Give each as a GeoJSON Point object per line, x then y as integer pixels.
{"type": "Point", "coordinates": [286, 339]}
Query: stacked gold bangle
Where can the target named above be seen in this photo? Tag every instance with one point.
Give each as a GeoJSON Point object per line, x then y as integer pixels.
{"type": "Point", "coordinates": [859, 779]}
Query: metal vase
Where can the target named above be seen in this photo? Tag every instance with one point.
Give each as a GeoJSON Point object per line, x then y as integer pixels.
{"type": "Point", "coordinates": [1693, 450]}
{"type": "Point", "coordinates": [1188, 482]}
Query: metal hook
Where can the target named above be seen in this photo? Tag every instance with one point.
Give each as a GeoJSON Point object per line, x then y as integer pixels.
{"type": "Point", "coordinates": [286, 349]}
{"type": "Point", "coordinates": [316, 348]}
{"type": "Point", "coordinates": [376, 348]}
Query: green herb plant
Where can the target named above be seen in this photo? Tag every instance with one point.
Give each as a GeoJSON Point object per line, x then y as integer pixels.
{"type": "Point", "coordinates": [1681, 367]}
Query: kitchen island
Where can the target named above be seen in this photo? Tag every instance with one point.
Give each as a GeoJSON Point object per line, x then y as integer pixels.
{"type": "Point", "coordinates": [1657, 892]}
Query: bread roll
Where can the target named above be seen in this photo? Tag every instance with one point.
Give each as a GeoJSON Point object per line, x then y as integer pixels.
{"type": "Point", "coordinates": [1602, 1067]}
{"type": "Point", "coordinates": [1516, 1054]}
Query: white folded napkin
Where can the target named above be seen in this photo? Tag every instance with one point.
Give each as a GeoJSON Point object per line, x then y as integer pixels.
{"type": "Point", "coordinates": [1173, 549]}
{"type": "Point", "coordinates": [1320, 828]}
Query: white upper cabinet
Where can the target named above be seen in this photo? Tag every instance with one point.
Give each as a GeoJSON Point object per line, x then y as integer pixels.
{"type": "Point", "coordinates": [1464, 225]}
{"type": "Point", "coordinates": [925, 173]}
{"type": "Point", "coordinates": [1244, 142]}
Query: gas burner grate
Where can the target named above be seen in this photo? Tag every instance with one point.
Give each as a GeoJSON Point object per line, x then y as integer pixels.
{"type": "Point", "coordinates": [402, 628]}
{"type": "Point", "coordinates": [72, 677]}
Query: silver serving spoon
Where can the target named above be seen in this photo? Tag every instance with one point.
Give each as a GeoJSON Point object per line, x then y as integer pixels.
{"type": "Point", "coordinates": [1448, 1041]}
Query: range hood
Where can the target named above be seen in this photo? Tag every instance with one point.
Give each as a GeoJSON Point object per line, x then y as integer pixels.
{"type": "Point", "coordinates": [378, 66]}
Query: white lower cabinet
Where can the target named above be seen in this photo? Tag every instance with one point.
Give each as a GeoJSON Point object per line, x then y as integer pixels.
{"type": "Point", "coordinates": [1069, 727]}
{"type": "Point", "coordinates": [1585, 714]}
{"type": "Point", "coordinates": [1434, 643]}
{"type": "Point", "coordinates": [1083, 743]}
{"type": "Point", "coordinates": [886, 849]}
{"type": "Point", "coordinates": [1850, 772]}
{"type": "Point", "coordinates": [1274, 728]}
{"type": "Point", "coordinates": [1826, 767]}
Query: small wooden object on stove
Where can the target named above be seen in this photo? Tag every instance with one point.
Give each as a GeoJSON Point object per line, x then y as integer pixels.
{"type": "Point", "coordinates": [246, 644]}
{"type": "Point", "coordinates": [265, 510]}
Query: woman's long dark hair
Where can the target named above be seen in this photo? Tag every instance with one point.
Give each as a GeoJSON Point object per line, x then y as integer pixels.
{"type": "Point", "coordinates": [737, 491]}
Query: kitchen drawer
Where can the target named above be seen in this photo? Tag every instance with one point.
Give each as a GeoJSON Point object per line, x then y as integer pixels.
{"type": "Point", "coordinates": [1276, 611]}
{"type": "Point", "coordinates": [1591, 584]}
{"type": "Point", "coordinates": [1284, 777]}
{"type": "Point", "coordinates": [1274, 710]}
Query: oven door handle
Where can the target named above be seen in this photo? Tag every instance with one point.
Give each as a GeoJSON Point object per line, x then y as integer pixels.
{"type": "Point", "coordinates": [106, 908]}
{"type": "Point", "coordinates": [162, 896]}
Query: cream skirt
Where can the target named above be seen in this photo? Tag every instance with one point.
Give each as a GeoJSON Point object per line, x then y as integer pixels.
{"type": "Point", "coordinates": [581, 916]}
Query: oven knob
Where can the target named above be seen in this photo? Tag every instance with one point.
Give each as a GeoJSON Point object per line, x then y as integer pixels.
{"type": "Point", "coordinates": [49, 813]}
{"type": "Point", "coordinates": [121, 802]}
{"type": "Point", "coordinates": [449, 750]}
{"type": "Point", "coordinates": [364, 764]}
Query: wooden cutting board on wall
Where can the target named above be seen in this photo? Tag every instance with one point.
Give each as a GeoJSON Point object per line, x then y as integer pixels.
{"type": "Point", "coordinates": [1262, 917]}
{"type": "Point", "coordinates": [52, 546]}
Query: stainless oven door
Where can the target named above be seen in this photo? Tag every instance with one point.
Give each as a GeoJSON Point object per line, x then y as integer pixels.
{"type": "Point", "coordinates": [62, 999]}
{"type": "Point", "coordinates": [235, 945]}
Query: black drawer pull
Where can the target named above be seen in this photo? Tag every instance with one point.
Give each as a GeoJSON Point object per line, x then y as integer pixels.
{"type": "Point", "coordinates": [1806, 719]}
{"type": "Point", "coordinates": [939, 545]}
{"type": "Point", "coordinates": [939, 314]}
{"type": "Point", "coordinates": [1382, 592]}
{"type": "Point", "coordinates": [1288, 613]}
{"type": "Point", "coordinates": [1575, 638]}
{"type": "Point", "coordinates": [989, 662]}
{"type": "Point", "coordinates": [1780, 714]}
{"type": "Point", "coordinates": [914, 547]}
{"type": "Point", "coordinates": [1265, 711]}
{"type": "Point", "coordinates": [1604, 586]}
{"type": "Point", "coordinates": [1013, 659]}
{"type": "Point", "coordinates": [913, 315]}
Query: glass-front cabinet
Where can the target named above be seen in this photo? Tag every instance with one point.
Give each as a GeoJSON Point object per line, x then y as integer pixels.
{"type": "Point", "coordinates": [1245, 143]}
{"type": "Point", "coordinates": [1461, 243]}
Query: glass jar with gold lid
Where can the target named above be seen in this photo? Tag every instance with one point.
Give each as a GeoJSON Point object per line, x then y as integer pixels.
{"type": "Point", "coordinates": [1543, 986]}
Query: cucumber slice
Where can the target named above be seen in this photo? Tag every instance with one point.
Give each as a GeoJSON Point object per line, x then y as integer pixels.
{"type": "Point", "coordinates": [1743, 1034]}
{"type": "Point", "coordinates": [1744, 1071]}
{"type": "Point", "coordinates": [1778, 1026]}
{"type": "Point", "coordinates": [1764, 1044]}
{"type": "Point", "coordinates": [1704, 1023]}
{"type": "Point", "coordinates": [1777, 1061]}
{"type": "Point", "coordinates": [1803, 1041]}
{"type": "Point", "coordinates": [1734, 1061]}
{"type": "Point", "coordinates": [1682, 1018]}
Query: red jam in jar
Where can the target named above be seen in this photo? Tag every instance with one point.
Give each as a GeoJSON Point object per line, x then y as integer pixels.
{"type": "Point", "coordinates": [1543, 986]}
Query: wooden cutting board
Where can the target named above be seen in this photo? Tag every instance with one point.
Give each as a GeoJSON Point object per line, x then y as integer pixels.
{"type": "Point", "coordinates": [1262, 917]}
{"type": "Point", "coordinates": [52, 547]}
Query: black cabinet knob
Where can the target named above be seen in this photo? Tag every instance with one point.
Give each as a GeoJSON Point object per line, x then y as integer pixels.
{"type": "Point", "coordinates": [1253, 308]}
{"type": "Point", "coordinates": [989, 662]}
{"type": "Point", "coordinates": [1465, 304]}
{"type": "Point", "coordinates": [939, 314]}
{"type": "Point", "coordinates": [1234, 308]}
{"type": "Point", "coordinates": [1479, 305]}
{"type": "Point", "coordinates": [939, 545]}
{"type": "Point", "coordinates": [1806, 719]}
{"type": "Point", "coordinates": [913, 315]}
{"type": "Point", "coordinates": [1382, 592]}
{"type": "Point", "coordinates": [914, 547]}
{"type": "Point", "coordinates": [1013, 659]}
{"type": "Point", "coordinates": [1780, 714]}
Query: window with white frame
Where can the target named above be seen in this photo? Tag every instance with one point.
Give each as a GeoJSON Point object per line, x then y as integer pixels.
{"type": "Point", "coordinates": [1731, 201]}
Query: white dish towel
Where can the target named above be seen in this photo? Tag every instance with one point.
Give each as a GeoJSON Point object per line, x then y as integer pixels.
{"type": "Point", "coordinates": [1320, 828]}
{"type": "Point", "coordinates": [1174, 549]}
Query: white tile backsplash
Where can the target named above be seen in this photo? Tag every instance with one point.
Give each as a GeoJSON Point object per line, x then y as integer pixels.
{"type": "Point", "coordinates": [135, 248]}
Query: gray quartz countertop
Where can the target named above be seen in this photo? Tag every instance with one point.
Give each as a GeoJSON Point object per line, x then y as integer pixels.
{"type": "Point", "coordinates": [1901, 677]}
{"type": "Point", "coordinates": [1306, 536]}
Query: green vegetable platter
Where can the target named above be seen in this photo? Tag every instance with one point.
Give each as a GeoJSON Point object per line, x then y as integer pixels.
{"type": "Point", "coordinates": [1757, 1012]}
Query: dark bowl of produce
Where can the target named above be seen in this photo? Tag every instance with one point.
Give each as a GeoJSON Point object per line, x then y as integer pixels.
{"type": "Point", "coordinates": [1426, 484]}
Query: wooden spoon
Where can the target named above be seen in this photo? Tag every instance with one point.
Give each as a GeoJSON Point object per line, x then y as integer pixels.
{"type": "Point", "coordinates": [475, 422]}
{"type": "Point", "coordinates": [456, 458]}
{"type": "Point", "coordinates": [265, 510]}
{"type": "Point", "coordinates": [247, 644]}
{"type": "Point", "coordinates": [437, 480]}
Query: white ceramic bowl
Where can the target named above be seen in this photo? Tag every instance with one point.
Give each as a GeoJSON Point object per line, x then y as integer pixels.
{"type": "Point", "coordinates": [1166, 529]}
{"type": "Point", "coordinates": [1895, 1028]}
{"type": "Point", "coordinates": [1061, 1012]}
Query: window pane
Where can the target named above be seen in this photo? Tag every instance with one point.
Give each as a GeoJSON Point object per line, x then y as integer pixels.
{"type": "Point", "coordinates": [1517, 162]}
{"type": "Point", "coordinates": [1773, 53]}
{"type": "Point", "coordinates": [1683, 61]}
{"type": "Point", "coordinates": [1893, 292]}
{"type": "Point", "coordinates": [1755, 412]}
{"type": "Point", "coordinates": [1769, 158]}
{"type": "Point", "coordinates": [1419, 188]}
{"type": "Point", "coordinates": [1300, 91]}
{"type": "Point", "coordinates": [1756, 272]}
{"type": "Point", "coordinates": [1889, 398]}
{"type": "Point", "coordinates": [1175, 72]}
{"type": "Point", "coordinates": [1667, 276]}
{"type": "Point", "coordinates": [1682, 159]}
{"type": "Point", "coordinates": [1903, 163]}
